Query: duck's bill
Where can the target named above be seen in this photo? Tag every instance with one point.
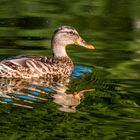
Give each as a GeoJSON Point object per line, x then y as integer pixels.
{"type": "Point", "coordinates": [83, 43]}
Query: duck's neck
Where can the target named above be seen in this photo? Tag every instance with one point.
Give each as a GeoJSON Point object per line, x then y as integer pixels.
{"type": "Point", "coordinates": [59, 51]}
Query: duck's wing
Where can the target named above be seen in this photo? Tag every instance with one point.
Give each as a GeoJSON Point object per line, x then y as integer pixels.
{"type": "Point", "coordinates": [25, 66]}
{"type": "Point", "coordinates": [21, 60]}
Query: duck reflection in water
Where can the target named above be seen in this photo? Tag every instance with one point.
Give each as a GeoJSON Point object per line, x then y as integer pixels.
{"type": "Point", "coordinates": [23, 93]}
{"type": "Point", "coordinates": [69, 102]}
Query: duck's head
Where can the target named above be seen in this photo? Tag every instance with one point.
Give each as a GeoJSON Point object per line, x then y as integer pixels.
{"type": "Point", "coordinates": [65, 36]}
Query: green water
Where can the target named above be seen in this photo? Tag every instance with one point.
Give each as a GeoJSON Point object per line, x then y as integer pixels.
{"type": "Point", "coordinates": [112, 112]}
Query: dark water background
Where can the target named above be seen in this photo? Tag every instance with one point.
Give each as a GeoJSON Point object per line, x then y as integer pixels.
{"type": "Point", "coordinates": [110, 113]}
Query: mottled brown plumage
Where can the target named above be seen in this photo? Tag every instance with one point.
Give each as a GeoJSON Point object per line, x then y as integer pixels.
{"type": "Point", "coordinates": [36, 66]}
{"type": "Point", "coordinates": [33, 66]}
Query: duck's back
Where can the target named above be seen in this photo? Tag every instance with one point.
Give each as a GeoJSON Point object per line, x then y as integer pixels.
{"type": "Point", "coordinates": [29, 66]}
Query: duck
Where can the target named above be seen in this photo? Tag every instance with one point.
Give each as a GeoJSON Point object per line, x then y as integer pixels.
{"type": "Point", "coordinates": [35, 66]}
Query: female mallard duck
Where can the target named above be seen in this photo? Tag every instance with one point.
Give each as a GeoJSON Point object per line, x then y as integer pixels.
{"type": "Point", "coordinates": [60, 65]}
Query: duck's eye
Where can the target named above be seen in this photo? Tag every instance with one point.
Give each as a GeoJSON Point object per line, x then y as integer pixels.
{"type": "Point", "coordinates": [71, 32]}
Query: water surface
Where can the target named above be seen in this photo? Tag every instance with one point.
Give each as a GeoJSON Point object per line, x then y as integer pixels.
{"type": "Point", "coordinates": [110, 112]}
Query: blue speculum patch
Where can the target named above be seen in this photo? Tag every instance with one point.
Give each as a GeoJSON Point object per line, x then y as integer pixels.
{"type": "Point", "coordinates": [79, 71]}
